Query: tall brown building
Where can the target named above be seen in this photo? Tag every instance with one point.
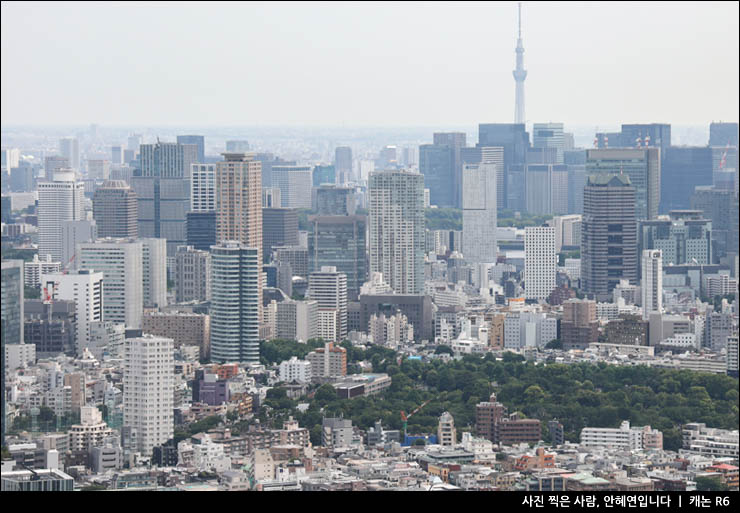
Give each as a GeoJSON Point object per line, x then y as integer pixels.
{"type": "Point", "coordinates": [493, 423]}
{"type": "Point", "coordinates": [115, 210]}
{"type": "Point", "coordinates": [239, 203]}
{"type": "Point", "coordinates": [579, 326]}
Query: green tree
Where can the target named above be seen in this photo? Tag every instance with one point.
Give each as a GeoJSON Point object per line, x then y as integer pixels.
{"type": "Point", "coordinates": [710, 484]}
{"type": "Point", "coordinates": [325, 393]}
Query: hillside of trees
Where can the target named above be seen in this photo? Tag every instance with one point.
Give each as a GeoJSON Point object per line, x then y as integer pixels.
{"type": "Point", "coordinates": [577, 395]}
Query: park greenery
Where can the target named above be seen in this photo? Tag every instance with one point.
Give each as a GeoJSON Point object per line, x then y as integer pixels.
{"type": "Point", "coordinates": [451, 219]}
{"type": "Point", "coordinates": [578, 395]}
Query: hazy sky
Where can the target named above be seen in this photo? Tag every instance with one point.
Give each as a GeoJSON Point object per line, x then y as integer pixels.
{"type": "Point", "coordinates": [359, 64]}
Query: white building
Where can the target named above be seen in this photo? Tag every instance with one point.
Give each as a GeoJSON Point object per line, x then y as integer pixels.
{"type": "Point", "coordinates": [19, 355]}
{"type": "Point", "coordinates": [295, 184]}
{"type": "Point", "coordinates": [329, 289]}
{"type": "Point", "coordinates": [295, 370]}
{"type": "Point", "coordinates": [69, 148]}
{"type": "Point", "coordinates": [90, 432]}
{"type": "Point", "coordinates": [85, 288]}
{"type": "Point", "coordinates": [624, 437]}
{"type": "Point", "coordinates": [107, 337]}
{"type": "Point", "coordinates": [192, 275]}
{"type": "Point", "coordinates": [652, 282]}
{"type": "Point", "coordinates": [529, 329]}
{"type": "Point", "coordinates": [74, 233]}
{"type": "Point", "coordinates": [567, 230]}
{"type": "Point", "coordinates": [59, 200]}
{"type": "Point", "coordinates": [154, 272]}
{"type": "Point", "coordinates": [540, 261]}
{"type": "Point", "coordinates": [390, 331]}
{"type": "Point", "coordinates": [479, 212]}
{"type": "Point", "coordinates": [121, 262]}
{"type": "Point", "coordinates": [32, 271]}
{"type": "Point", "coordinates": [148, 392]}
{"type": "Point", "coordinates": [202, 187]}
{"type": "Point", "coordinates": [710, 442]}
{"type": "Point", "coordinates": [297, 320]}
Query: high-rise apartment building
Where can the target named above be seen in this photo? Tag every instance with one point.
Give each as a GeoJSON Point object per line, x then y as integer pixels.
{"type": "Point", "coordinates": [396, 228]}
{"type": "Point", "coordinates": [329, 361]}
{"type": "Point", "coordinates": [59, 200]}
{"type": "Point", "coordinates": [652, 282]}
{"type": "Point", "coordinates": [192, 275]}
{"type": "Point", "coordinates": [33, 270]}
{"type": "Point", "coordinates": [328, 287]}
{"type": "Point", "coordinates": [540, 261]}
{"type": "Point", "coordinates": [608, 235]}
{"type": "Point", "coordinates": [121, 262]}
{"type": "Point", "coordinates": [479, 212]}
{"type": "Point", "coordinates": [85, 288]}
{"type": "Point", "coordinates": [235, 303]}
{"type": "Point", "coordinates": [148, 392]}
{"type": "Point", "coordinates": [642, 166]}
{"type": "Point", "coordinates": [115, 210]}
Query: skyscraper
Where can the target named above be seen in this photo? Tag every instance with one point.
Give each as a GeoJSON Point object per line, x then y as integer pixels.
{"type": "Point", "coordinates": [397, 240]}
{"type": "Point", "coordinates": [12, 302]}
{"type": "Point", "coordinates": [514, 139]}
{"type": "Point", "coordinates": [549, 135]}
{"type": "Point", "coordinates": [343, 164]}
{"type": "Point", "coordinates": [59, 200]}
{"type": "Point", "coordinates": [479, 212]}
{"type": "Point", "coordinates": [295, 185]}
{"type": "Point", "coordinates": [455, 140]}
{"type": "Point", "coordinates": [491, 155]}
{"type": "Point", "coordinates": [546, 188]}
{"type": "Point", "coordinates": [437, 164]}
{"type": "Point", "coordinates": [328, 287]}
{"type": "Point", "coordinates": [235, 303]}
{"type": "Point", "coordinates": [684, 168]}
{"type": "Point", "coordinates": [192, 275]}
{"type": "Point", "coordinates": [642, 166]}
{"type": "Point", "coordinates": [279, 228]}
{"type": "Point", "coordinates": [69, 148]}
{"type": "Point", "coordinates": [540, 261]}
{"type": "Point", "coordinates": [723, 134]}
{"type": "Point", "coordinates": [198, 141]}
{"type": "Point", "coordinates": [519, 75]}
{"type": "Point", "coordinates": [339, 241]}
{"type": "Point", "coordinates": [239, 203]}
{"type": "Point", "coordinates": [148, 392]}
{"type": "Point", "coordinates": [652, 282]}
{"type": "Point", "coordinates": [609, 235]}
{"type": "Point", "coordinates": [203, 187]}
{"type": "Point", "coordinates": [154, 272]}
{"type": "Point", "coordinates": [115, 210]}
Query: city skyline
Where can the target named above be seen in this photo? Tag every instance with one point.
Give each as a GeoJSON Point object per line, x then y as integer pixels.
{"type": "Point", "coordinates": [383, 61]}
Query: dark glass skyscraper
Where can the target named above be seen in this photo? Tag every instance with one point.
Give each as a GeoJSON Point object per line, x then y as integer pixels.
{"type": "Point", "coordinates": [684, 168]}
{"type": "Point", "coordinates": [514, 139]}
{"type": "Point", "coordinates": [456, 140]}
{"type": "Point", "coordinates": [437, 164]}
{"type": "Point", "coordinates": [201, 230]}
{"type": "Point", "coordinates": [339, 241]}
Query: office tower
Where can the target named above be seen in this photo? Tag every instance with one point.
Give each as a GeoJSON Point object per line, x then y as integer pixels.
{"type": "Point", "coordinates": [162, 188]}
{"type": "Point", "coordinates": [479, 212]}
{"type": "Point", "coordinates": [652, 282]}
{"type": "Point", "coordinates": [269, 160]}
{"type": "Point", "coordinates": [684, 168]}
{"type": "Point", "coordinates": [148, 392]}
{"type": "Point", "coordinates": [120, 261]}
{"type": "Point", "coordinates": [198, 141]}
{"type": "Point", "coordinates": [235, 303]}
{"type": "Point", "coordinates": [329, 288]}
{"type": "Point", "coordinates": [154, 272]}
{"type": "Point", "coordinates": [437, 164]}
{"type": "Point", "coordinates": [519, 75]}
{"type": "Point", "coordinates": [69, 148]}
{"type": "Point", "coordinates": [279, 228]}
{"type": "Point", "coordinates": [343, 163]}
{"type": "Point", "coordinates": [192, 275]}
{"type": "Point", "coordinates": [59, 200]}
{"type": "Point", "coordinates": [456, 141]}
{"type": "Point", "coordinates": [33, 270]}
{"type": "Point", "coordinates": [237, 146]}
{"type": "Point", "coordinates": [10, 158]}
{"type": "Point", "coordinates": [201, 229]}
{"type": "Point", "coordinates": [576, 163]}
{"type": "Point", "coordinates": [514, 139]}
{"type": "Point", "coordinates": [23, 177]}
{"type": "Point", "coordinates": [115, 210]}
{"type": "Point", "coordinates": [567, 230]}
{"type": "Point", "coordinates": [608, 235]}
{"type": "Point", "coordinates": [134, 142]}
{"type": "Point", "coordinates": [271, 197]}
{"type": "Point", "coordinates": [549, 135]}
{"type": "Point", "coordinates": [239, 205]}
{"type": "Point", "coordinates": [396, 231]}
{"type": "Point", "coordinates": [721, 207]}
{"type": "Point", "coordinates": [339, 241]}
{"type": "Point", "coordinates": [684, 237]}
{"type": "Point", "coordinates": [294, 183]}
{"type": "Point", "coordinates": [492, 155]}
{"type": "Point", "coordinates": [73, 233]}
{"type": "Point", "coordinates": [53, 164]}
{"type": "Point", "coordinates": [324, 175]}
{"type": "Point", "coordinates": [203, 187]}
{"type": "Point", "coordinates": [335, 201]}
{"type": "Point", "coordinates": [295, 256]}
{"type": "Point", "coordinates": [654, 135]}
{"type": "Point", "coordinates": [540, 261]}
{"type": "Point", "coordinates": [50, 327]}
{"type": "Point", "coordinates": [546, 189]}
{"type": "Point", "coordinates": [85, 288]}
{"type": "Point", "coordinates": [116, 155]}
{"type": "Point", "coordinates": [12, 303]}
{"type": "Point", "coordinates": [98, 169]}
{"type": "Point", "coordinates": [642, 166]}
{"type": "Point", "coordinates": [579, 326]}
{"type": "Point", "coordinates": [723, 134]}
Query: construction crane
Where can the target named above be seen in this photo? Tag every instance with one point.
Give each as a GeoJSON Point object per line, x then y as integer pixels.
{"type": "Point", "coordinates": [406, 418]}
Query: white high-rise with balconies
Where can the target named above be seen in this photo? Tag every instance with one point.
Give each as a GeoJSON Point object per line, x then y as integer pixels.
{"type": "Point", "coordinates": [479, 212]}
{"type": "Point", "coordinates": [60, 199]}
{"type": "Point", "coordinates": [148, 392]}
{"type": "Point", "coordinates": [652, 282]}
{"type": "Point", "coordinates": [329, 289]}
{"type": "Point", "coordinates": [540, 261]}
